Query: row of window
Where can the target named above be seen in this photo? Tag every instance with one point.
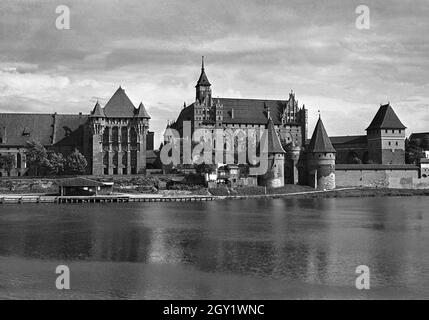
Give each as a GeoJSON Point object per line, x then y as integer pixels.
{"type": "Point", "coordinates": [385, 131]}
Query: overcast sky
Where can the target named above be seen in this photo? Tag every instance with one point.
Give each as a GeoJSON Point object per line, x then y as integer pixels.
{"type": "Point", "coordinates": [253, 49]}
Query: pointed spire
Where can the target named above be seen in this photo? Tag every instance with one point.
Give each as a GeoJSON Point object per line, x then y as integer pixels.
{"type": "Point", "coordinates": [141, 112]}
{"type": "Point", "coordinates": [203, 80]}
{"type": "Point", "coordinates": [97, 111]}
{"type": "Point", "coordinates": [320, 141]}
{"type": "Point", "coordinates": [274, 145]}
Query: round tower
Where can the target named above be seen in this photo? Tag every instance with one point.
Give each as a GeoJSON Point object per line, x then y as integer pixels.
{"type": "Point", "coordinates": [275, 155]}
{"type": "Point", "coordinates": [293, 154]}
{"type": "Point", "coordinates": [321, 159]}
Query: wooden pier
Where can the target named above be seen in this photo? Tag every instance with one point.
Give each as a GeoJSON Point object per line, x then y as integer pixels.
{"type": "Point", "coordinates": [14, 199]}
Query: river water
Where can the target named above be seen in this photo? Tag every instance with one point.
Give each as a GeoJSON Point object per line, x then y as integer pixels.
{"type": "Point", "coordinates": [238, 249]}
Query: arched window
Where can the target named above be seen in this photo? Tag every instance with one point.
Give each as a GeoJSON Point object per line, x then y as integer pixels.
{"type": "Point", "coordinates": [106, 159]}
{"type": "Point", "coordinates": [106, 137]}
{"type": "Point", "coordinates": [124, 135]}
{"type": "Point", "coordinates": [18, 161]}
{"type": "Point", "coordinates": [133, 137]}
{"type": "Point", "coordinates": [115, 159]}
{"type": "Point", "coordinates": [115, 138]}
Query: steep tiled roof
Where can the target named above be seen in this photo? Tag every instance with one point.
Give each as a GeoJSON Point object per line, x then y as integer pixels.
{"type": "Point", "coordinates": [274, 145]}
{"type": "Point", "coordinates": [97, 111]}
{"type": "Point", "coordinates": [246, 111]}
{"type": "Point", "coordinates": [67, 128]}
{"type": "Point", "coordinates": [386, 118]}
{"type": "Point", "coordinates": [119, 105]}
{"type": "Point", "coordinates": [18, 128]}
{"type": "Point", "coordinates": [320, 141]}
{"type": "Point", "coordinates": [348, 140]}
{"type": "Point", "coordinates": [251, 111]}
{"type": "Point", "coordinates": [141, 112]}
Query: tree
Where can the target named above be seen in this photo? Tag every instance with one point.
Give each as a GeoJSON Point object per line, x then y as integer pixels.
{"type": "Point", "coordinates": [56, 163]}
{"type": "Point", "coordinates": [413, 151]}
{"type": "Point", "coordinates": [356, 160]}
{"type": "Point", "coordinates": [7, 162]}
{"type": "Point", "coordinates": [204, 168]}
{"type": "Point", "coordinates": [76, 163]}
{"type": "Point", "coordinates": [36, 156]}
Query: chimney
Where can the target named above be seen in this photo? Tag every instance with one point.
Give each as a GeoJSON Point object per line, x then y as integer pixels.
{"type": "Point", "coordinates": [232, 113]}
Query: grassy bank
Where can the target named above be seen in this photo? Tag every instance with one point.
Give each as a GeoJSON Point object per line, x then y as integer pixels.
{"type": "Point", "coordinates": [304, 192]}
{"type": "Point", "coordinates": [162, 185]}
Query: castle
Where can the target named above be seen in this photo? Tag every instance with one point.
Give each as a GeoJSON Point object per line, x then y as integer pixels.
{"type": "Point", "coordinates": [113, 139]}
{"type": "Point", "coordinates": [292, 158]}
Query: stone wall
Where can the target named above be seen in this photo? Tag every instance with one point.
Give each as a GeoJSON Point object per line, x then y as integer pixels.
{"type": "Point", "coordinates": [408, 183]}
{"type": "Point", "coordinates": [375, 177]}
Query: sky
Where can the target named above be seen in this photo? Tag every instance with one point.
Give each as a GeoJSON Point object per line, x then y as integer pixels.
{"type": "Point", "coordinates": [253, 49]}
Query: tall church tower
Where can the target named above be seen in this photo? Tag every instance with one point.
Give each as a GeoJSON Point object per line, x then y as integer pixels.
{"type": "Point", "coordinates": [321, 159]}
{"type": "Point", "coordinates": [386, 137]}
{"type": "Point", "coordinates": [203, 90]}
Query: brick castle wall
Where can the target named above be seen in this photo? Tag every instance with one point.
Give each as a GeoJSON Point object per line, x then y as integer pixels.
{"type": "Point", "coordinates": [371, 178]}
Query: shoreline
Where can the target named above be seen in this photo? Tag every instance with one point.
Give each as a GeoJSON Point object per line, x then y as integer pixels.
{"type": "Point", "coordinates": [351, 192]}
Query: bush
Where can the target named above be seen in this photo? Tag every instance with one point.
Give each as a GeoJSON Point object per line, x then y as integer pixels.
{"type": "Point", "coordinates": [221, 191]}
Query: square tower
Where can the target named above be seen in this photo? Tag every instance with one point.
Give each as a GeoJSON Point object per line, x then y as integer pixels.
{"type": "Point", "coordinates": [386, 137]}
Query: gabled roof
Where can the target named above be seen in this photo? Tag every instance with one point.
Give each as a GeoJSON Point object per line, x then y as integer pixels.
{"type": "Point", "coordinates": [274, 145]}
{"type": "Point", "coordinates": [320, 141]}
{"type": "Point", "coordinates": [141, 112]}
{"type": "Point", "coordinates": [119, 105]}
{"type": "Point", "coordinates": [97, 111]}
{"type": "Point", "coordinates": [386, 118]}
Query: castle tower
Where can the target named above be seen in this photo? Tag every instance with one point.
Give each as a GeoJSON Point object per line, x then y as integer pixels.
{"type": "Point", "coordinates": [275, 153]}
{"type": "Point", "coordinates": [141, 120]}
{"type": "Point", "coordinates": [97, 124]}
{"type": "Point", "coordinates": [119, 132]}
{"type": "Point", "coordinates": [386, 137]}
{"type": "Point", "coordinates": [203, 90]}
{"type": "Point", "coordinates": [321, 159]}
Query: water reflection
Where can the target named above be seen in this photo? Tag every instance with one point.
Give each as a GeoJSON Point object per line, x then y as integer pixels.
{"type": "Point", "coordinates": [316, 241]}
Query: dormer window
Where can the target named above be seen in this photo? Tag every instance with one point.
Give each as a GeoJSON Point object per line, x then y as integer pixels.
{"type": "Point", "coordinates": [26, 132]}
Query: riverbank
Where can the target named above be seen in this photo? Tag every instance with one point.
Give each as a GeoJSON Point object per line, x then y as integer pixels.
{"type": "Point", "coordinates": [178, 196]}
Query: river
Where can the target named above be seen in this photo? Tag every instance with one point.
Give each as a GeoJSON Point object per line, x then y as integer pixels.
{"type": "Point", "coordinates": [232, 249]}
